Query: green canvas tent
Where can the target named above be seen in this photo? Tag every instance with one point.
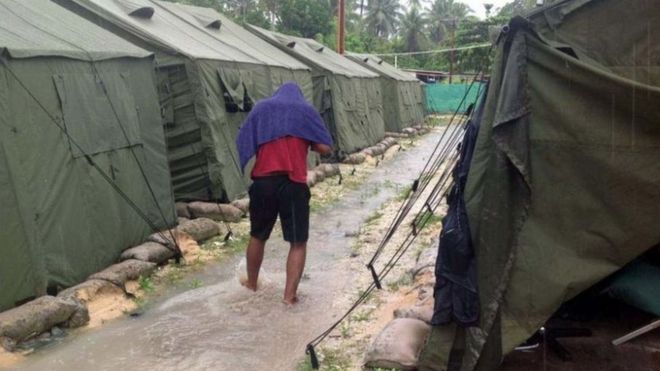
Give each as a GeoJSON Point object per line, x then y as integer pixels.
{"type": "Point", "coordinates": [564, 184]}
{"type": "Point", "coordinates": [347, 94]}
{"type": "Point", "coordinates": [565, 180]}
{"type": "Point", "coordinates": [402, 93]}
{"type": "Point", "coordinates": [61, 220]}
{"type": "Point", "coordinates": [210, 72]}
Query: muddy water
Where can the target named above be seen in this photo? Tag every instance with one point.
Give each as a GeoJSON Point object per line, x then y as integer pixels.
{"type": "Point", "coordinates": [222, 326]}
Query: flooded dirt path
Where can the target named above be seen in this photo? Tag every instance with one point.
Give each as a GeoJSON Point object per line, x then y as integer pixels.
{"type": "Point", "coordinates": [222, 326]}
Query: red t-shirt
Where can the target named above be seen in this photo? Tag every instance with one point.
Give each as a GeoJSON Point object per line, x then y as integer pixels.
{"type": "Point", "coordinates": [286, 155]}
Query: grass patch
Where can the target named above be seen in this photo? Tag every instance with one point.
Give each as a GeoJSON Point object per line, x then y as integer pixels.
{"type": "Point", "coordinates": [174, 273]}
{"type": "Point", "coordinates": [404, 280]}
{"type": "Point", "coordinates": [140, 303]}
{"type": "Point", "coordinates": [237, 243]}
{"type": "Point", "coordinates": [356, 248]}
{"type": "Point", "coordinates": [330, 360]}
{"type": "Point", "coordinates": [404, 194]}
{"type": "Point", "coordinates": [316, 204]}
{"type": "Point", "coordinates": [146, 284]}
{"type": "Point", "coordinates": [371, 219]}
{"type": "Point", "coordinates": [437, 121]}
{"type": "Point", "coordinates": [345, 329]}
{"type": "Point", "coordinates": [363, 315]}
{"type": "Point", "coordinates": [196, 283]}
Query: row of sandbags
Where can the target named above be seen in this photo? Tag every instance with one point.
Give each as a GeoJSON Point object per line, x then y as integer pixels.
{"type": "Point", "coordinates": [400, 343]}
{"type": "Point", "coordinates": [377, 150]}
{"type": "Point", "coordinates": [235, 211]}
{"type": "Point", "coordinates": [69, 308]}
{"type": "Point", "coordinates": [381, 147]}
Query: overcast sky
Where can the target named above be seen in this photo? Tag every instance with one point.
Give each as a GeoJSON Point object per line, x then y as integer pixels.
{"type": "Point", "coordinates": [477, 6]}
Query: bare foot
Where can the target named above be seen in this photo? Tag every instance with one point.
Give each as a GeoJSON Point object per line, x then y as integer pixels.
{"type": "Point", "coordinates": [248, 286]}
{"type": "Point", "coordinates": [292, 301]}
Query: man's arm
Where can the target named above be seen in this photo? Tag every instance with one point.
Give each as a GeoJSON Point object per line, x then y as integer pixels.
{"type": "Point", "coordinates": [322, 149]}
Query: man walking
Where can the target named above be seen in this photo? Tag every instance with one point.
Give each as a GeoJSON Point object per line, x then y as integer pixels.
{"type": "Point", "coordinates": [279, 131]}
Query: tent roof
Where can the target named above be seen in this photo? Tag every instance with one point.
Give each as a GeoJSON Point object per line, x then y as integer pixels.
{"type": "Point", "coordinates": [41, 28]}
{"type": "Point", "coordinates": [163, 28]}
{"type": "Point", "coordinates": [233, 35]}
{"type": "Point", "coordinates": [316, 53]}
{"type": "Point", "coordinates": [382, 67]}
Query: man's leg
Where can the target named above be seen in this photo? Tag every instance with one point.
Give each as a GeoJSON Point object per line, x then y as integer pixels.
{"type": "Point", "coordinates": [254, 256]}
{"type": "Point", "coordinates": [263, 214]}
{"type": "Point", "coordinates": [294, 215]}
{"type": "Point", "coordinates": [295, 265]}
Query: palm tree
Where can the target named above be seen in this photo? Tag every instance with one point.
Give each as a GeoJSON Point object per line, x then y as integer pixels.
{"type": "Point", "coordinates": [413, 25]}
{"type": "Point", "coordinates": [415, 4]}
{"type": "Point", "coordinates": [489, 8]}
{"type": "Point", "coordinates": [382, 17]}
{"type": "Point", "coordinates": [444, 17]}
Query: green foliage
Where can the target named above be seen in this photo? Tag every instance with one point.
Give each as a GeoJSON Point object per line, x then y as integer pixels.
{"type": "Point", "coordinates": [383, 26]}
{"type": "Point", "coordinates": [196, 283]}
{"type": "Point", "coordinates": [306, 18]}
{"type": "Point", "coordinates": [146, 284]}
{"type": "Point", "coordinates": [413, 25]}
{"type": "Point", "coordinates": [382, 17]}
{"type": "Point", "coordinates": [331, 360]}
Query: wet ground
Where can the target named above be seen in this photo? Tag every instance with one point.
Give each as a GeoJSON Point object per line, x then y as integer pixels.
{"type": "Point", "coordinates": [222, 326]}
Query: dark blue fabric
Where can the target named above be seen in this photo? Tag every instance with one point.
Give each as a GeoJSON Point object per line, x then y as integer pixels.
{"type": "Point", "coordinates": [455, 293]}
{"type": "Point", "coordinates": [286, 113]}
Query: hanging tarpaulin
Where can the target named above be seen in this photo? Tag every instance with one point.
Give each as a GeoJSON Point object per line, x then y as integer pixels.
{"type": "Point", "coordinates": [564, 181]}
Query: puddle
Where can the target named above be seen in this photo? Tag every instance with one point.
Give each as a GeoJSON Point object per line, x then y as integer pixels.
{"type": "Point", "coordinates": [222, 325]}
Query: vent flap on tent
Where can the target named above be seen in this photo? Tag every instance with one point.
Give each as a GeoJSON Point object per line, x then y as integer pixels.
{"type": "Point", "coordinates": [137, 8]}
{"type": "Point", "coordinates": [207, 21]}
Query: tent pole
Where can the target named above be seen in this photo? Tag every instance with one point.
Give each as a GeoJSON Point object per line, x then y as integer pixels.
{"type": "Point", "coordinates": [341, 30]}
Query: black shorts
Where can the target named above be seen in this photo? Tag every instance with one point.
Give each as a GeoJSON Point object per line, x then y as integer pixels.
{"type": "Point", "coordinates": [277, 195]}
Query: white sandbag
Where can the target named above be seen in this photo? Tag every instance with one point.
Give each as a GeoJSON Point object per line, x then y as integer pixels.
{"type": "Point", "coordinates": [215, 211]}
{"type": "Point", "coordinates": [149, 252]}
{"type": "Point", "coordinates": [410, 132]}
{"type": "Point", "coordinates": [330, 170]}
{"type": "Point", "coordinates": [320, 175]}
{"type": "Point", "coordinates": [167, 237]}
{"type": "Point", "coordinates": [88, 291]}
{"type": "Point", "coordinates": [182, 210]}
{"type": "Point", "coordinates": [377, 150]}
{"type": "Point", "coordinates": [200, 229]}
{"type": "Point", "coordinates": [35, 317]}
{"type": "Point", "coordinates": [127, 270]}
{"type": "Point", "coordinates": [355, 159]}
{"type": "Point", "coordinates": [243, 204]}
{"type": "Point", "coordinates": [422, 311]}
{"type": "Point", "coordinates": [311, 178]}
{"type": "Point", "coordinates": [395, 135]}
{"type": "Point", "coordinates": [398, 346]}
